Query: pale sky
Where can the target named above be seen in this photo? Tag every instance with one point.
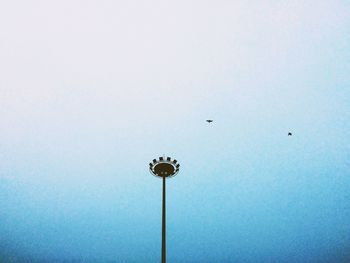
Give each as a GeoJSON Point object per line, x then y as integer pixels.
{"type": "Point", "coordinates": [92, 91]}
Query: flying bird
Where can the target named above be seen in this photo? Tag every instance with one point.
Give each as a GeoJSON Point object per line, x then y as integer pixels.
{"type": "Point", "coordinates": [289, 134]}
{"type": "Point", "coordinates": [209, 121]}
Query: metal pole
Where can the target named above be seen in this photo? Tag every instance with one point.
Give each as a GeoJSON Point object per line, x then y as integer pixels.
{"type": "Point", "coordinates": [163, 225]}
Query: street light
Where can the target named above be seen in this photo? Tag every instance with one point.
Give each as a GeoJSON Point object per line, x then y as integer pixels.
{"type": "Point", "coordinates": [164, 168]}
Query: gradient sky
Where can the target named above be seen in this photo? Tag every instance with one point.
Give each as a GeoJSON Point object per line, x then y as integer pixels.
{"type": "Point", "coordinates": [92, 91]}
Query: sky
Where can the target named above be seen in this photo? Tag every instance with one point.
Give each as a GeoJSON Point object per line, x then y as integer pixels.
{"type": "Point", "coordinates": [91, 91]}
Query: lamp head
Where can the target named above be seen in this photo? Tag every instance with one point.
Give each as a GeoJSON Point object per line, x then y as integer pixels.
{"type": "Point", "coordinates": [164, 167]}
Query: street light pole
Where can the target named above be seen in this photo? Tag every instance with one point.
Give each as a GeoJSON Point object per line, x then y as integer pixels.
{"type": "Point", "coordinates": [164, 224]}
{"type": "Point", "coordinates": [164, 168]}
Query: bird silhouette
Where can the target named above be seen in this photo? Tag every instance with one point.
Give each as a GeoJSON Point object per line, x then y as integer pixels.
{"type": "Point", "coordinates": [209, 121]}
{"type": "Point", "coordinates": [289, 134]}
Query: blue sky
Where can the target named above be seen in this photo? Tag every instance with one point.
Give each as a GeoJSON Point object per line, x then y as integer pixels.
{"type": "Point", "coordinates": [91, 91]}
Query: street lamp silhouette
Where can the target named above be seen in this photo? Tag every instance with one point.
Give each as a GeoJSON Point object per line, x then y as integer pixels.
{"type": "Point", "coordinates": [164, 168]}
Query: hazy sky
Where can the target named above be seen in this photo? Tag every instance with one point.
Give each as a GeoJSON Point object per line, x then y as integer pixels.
{"type": "Point", "coordinates": [91, 91]}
